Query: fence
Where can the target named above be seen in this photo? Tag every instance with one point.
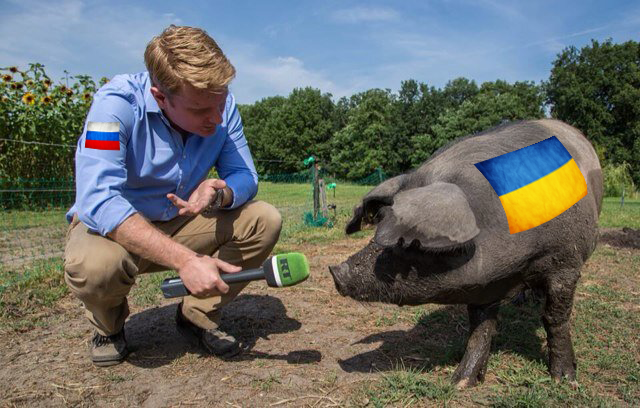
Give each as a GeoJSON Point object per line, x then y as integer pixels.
{"type": "Point", "coordinates": [33, 223]}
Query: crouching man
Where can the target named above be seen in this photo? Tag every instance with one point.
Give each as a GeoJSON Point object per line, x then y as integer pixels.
{"type": "Point", "coordinates": [144, 202]}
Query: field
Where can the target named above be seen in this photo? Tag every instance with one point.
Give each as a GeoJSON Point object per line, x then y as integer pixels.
{"type": "Point", "coordinates": [306, 345]}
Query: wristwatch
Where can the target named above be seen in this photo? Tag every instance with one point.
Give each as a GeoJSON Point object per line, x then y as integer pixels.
{"type": "Point", "coordinates": [215, 203]}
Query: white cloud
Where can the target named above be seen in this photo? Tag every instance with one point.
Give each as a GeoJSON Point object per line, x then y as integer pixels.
{"type": "Point", "coordinates": [364, 14]}
{"type": "Point", "coordinates": [81, 37]}
{"type": "Point", "coordinates": [260, 76]}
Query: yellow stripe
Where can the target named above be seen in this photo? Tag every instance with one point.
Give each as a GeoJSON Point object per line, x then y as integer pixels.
{"type": "Point", "coordinates": [545, 198]}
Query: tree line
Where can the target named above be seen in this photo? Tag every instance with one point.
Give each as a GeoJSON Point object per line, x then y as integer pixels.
{"type": "Point", "coordinates": [596, 89]}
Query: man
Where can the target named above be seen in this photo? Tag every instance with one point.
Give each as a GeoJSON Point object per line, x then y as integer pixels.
{"type": "Point", "coordinates": [143, 200]}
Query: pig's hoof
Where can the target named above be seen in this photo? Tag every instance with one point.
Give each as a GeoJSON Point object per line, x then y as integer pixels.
{"type": "Point", "coordinates": [563, 371]}
{"type": "Point", "coordinates": [571, 380]}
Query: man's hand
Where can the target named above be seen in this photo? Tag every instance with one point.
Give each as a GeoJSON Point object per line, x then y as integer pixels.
{"type": "Point", "coordinates": [201, 197]}
{"type": "Point", "coordinates": [201, 275]}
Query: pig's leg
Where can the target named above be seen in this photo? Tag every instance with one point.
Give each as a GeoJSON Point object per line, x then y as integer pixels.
{"type": "Point", "coordinates": [559, 290]}
{"type": "Point", "coordinates": [482, 327]}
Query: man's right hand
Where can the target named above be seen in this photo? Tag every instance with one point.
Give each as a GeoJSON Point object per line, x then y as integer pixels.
{"type": "Point", "coordinates": [201, 275]}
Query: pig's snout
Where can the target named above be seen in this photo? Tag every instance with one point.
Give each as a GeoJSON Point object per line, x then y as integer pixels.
{"type": "Point", "coordinates": [339, 273]}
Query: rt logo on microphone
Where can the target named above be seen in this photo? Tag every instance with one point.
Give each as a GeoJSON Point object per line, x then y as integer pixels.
{"type": "Point", "coordinates": [284, 267]}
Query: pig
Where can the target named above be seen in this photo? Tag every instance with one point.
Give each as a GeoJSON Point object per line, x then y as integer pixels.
{"type": "Point", "coordinates": [442, 237]}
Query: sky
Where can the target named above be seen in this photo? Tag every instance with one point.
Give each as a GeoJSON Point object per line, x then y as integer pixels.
{"type": "Point", "coordinates": [338, 46]}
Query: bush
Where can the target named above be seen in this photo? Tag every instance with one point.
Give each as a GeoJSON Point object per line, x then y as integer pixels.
{"type": "Point", "coordinates": [616, 178]}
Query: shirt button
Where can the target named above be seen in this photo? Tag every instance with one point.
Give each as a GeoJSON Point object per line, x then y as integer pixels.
{"type": "Point", "coordinates": [181, 187]}
{"type": "Point", "coordinates": [184, 156]}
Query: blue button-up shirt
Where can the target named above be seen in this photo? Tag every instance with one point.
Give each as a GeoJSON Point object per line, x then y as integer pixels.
{"type": "Point", "coordinates": [152, 160]}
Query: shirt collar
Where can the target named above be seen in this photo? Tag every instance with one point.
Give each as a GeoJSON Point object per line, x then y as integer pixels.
{"type": "Point", "coordinates": [150, 102]}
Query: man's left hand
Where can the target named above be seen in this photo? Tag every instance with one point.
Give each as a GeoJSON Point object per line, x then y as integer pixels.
{"type": "Point", "coordinates": [201, 197]}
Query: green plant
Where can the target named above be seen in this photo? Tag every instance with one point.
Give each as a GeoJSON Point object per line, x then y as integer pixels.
{"type": "Point", "coordinates": [40, 121]}
{"type": "Point", "coordinates": [617, 180]}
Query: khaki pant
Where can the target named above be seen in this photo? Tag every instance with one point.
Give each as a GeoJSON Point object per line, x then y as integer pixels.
{"type": "Point", "coordinates": [100, 272]}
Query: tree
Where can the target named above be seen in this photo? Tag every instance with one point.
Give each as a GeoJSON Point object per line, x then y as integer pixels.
{"type": "Point", "coordinates": [457, 91]}
{"type": "Point", "coordinates": [597, 89]}
{"type": "Point", "coordinates": [418, 106]}
{"type": "Point", "coordinates": [495, 103]}
{"type": "Point", "coordinates": [282, 132]}
{"type": "Point", "coordinates": [260, 126]}
{"type": "Point", "coordinates": [307, 125]}
{"type": "Point", "coordinates": [366, 142]}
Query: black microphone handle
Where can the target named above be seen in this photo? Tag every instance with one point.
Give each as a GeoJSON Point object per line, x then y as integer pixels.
{"type": "Point", "coordinates": [243, 276]}
{"type": "Point", "coordinates": [174, 287]}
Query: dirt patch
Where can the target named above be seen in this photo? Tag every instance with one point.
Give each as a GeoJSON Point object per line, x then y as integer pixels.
{"type": "Point", "coordinates": [295, 339]}
{"type": "Point", "coordinates": [305, 346]}
{"type": "Point", "coordinates": [620, 237]}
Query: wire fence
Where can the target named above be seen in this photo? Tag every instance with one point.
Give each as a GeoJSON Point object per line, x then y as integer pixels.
{"type": "Point", "coordinates": [33, 224]}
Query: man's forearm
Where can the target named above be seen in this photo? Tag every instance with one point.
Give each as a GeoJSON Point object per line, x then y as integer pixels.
{"type": "Point", "coordinates": [140, 237]}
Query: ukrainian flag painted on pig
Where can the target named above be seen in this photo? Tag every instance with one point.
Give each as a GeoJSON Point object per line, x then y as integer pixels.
{"type": "Point", "coordinates": [535, 184]}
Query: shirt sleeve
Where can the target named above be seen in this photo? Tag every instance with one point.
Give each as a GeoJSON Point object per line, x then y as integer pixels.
{"type": "Point", "coordinates": [100, 162]}
{"type": "Point", "coordinates": [235, 164]}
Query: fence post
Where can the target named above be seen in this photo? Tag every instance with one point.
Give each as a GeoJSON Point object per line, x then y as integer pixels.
{"type": "Point", "coordinates": [316, 191]}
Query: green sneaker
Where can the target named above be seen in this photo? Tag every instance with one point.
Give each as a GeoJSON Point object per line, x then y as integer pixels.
{"type": "Point", "coordinates": [215, 341]}
{"type": "Point", "coordinates": [108, 350]}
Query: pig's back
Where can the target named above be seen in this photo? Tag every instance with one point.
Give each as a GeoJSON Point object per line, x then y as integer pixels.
{"type": "Point", "coordinates": [572, 234]}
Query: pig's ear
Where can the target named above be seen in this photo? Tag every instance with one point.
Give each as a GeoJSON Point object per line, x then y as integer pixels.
{"type": "Point", "coordinates": [438, 216]}
{"type": "Point", "coordinates": [369, 211]}
{"type": "Point", "coordinates": [355, 224]}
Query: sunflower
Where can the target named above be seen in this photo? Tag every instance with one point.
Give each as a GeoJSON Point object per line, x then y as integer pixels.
{"type": "Point", "coordinates": [29, 82]}
{"type": "Point", "coordinates": [7, 78]}
{"type": "Point", "coordinates": [86, 96]}
{"type": "Point", "coordinates": [14, 85]}
{"type": "Point", "coordinates": [19, 85]}
{"type": "Point", "coordinates": [62, 88]}
{"type": "Point", "coordinates": [5, 99]}
{"type": "Point", "coordinates": [47, 82]}
{"type": "Point", "coordinates": [69, 92]}
{"type": "Point", "coordinates": [13, 69]}
{"type": "Point", "coordinates": [45, 100]}
{"type": "Point", "coordinates": [28, 98]}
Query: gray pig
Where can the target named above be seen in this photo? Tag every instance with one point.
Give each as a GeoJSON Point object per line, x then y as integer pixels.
{"type": "Point", "coordinates": [442, 237]}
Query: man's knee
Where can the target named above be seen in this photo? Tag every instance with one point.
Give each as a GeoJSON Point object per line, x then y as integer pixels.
{"type": "Point", "coordinates": [100, 274]}
{"type": "Point", "coordinates": [268, 221]}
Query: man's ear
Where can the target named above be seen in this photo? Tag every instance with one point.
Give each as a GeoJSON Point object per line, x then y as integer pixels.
{"type": "Point", "coordinates": [159, 96]}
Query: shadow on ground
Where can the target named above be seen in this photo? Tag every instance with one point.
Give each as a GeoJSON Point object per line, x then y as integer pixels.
{"type": "Point", "coordinates": [620, 237]}
{"type": "Point", "coordinates": [154, 340]}
{"type": "Point", "coordinates": [439, 339]}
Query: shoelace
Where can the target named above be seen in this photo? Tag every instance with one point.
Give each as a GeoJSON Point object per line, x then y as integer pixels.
{"type": "Point", "coordinates": [100, 340]}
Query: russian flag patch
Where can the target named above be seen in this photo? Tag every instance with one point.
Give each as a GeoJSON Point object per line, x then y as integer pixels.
{"type": "Point", "coordinates": [103, 136]}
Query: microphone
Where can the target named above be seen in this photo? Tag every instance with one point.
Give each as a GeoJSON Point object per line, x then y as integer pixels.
{"type": "Point", "coordinates": [279, 271]}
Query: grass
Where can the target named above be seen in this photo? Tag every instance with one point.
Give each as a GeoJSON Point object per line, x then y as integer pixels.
{"type": "Point", "coordinates": [606, 338]}
{"type": "Point", "coordinates": [605, 322]}
{"type": "Point", "coordinates": [294, 200]}
{"type": "Point", "coordinates": [26, 298]}
{"type": "Point", "coordinates": [404, 387]}
{"type": "Point", "coordinates": [615, 216]}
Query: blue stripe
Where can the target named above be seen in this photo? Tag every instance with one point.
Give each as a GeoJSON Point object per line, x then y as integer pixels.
{"type": "Point", "coordinates": [93, 135]}
{"type": "Point", "coordinates": [514, 170]}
